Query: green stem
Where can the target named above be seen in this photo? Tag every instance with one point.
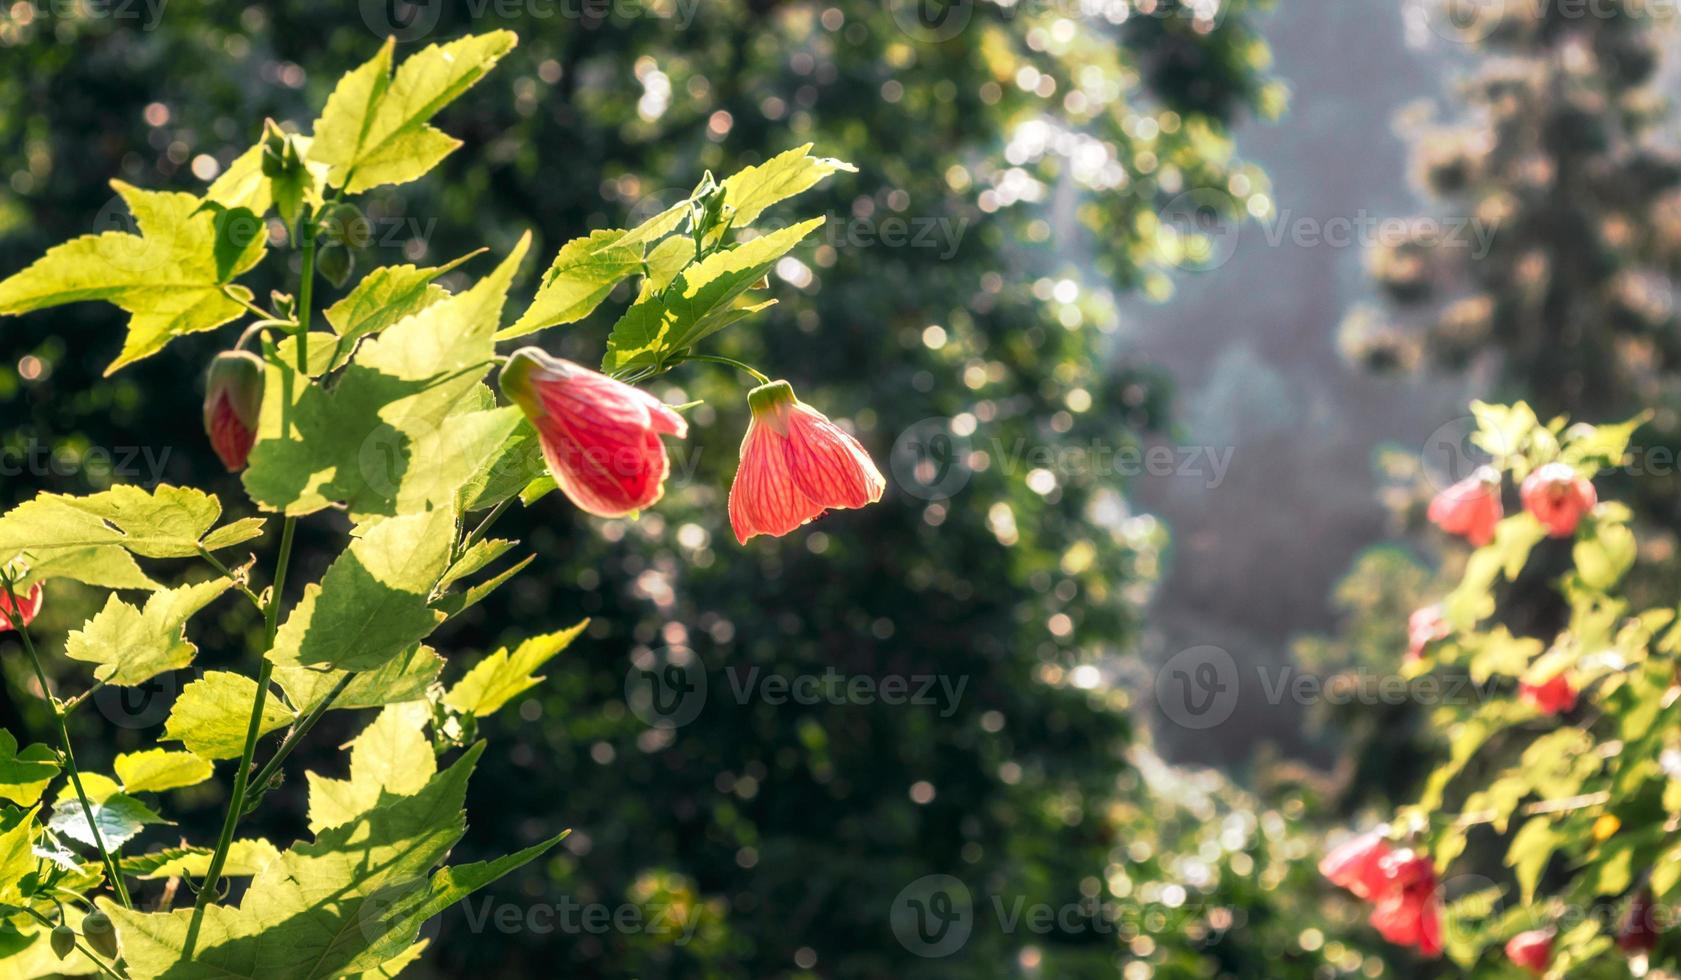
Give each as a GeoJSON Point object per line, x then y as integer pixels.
{"type": "Point", "coordinates": [260, 781]}
{"type": "Point", "coordinates": [230, 576]}
{"type": "Point", "coordinates": [253, 731]}
{"type": "Point", "coordinates": [111, 870]}
{"type": "Point", "coordinates": [265, 669]}
{"type": "Point", "coordinates": [728, 362]}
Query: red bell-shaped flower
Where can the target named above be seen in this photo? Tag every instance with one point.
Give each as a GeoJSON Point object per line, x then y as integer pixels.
{"type": "Point", "coordinates": [601, 437]}
{"type": "Point", "coordinates": [1470, 508]}
{"type": "Point", "coordinates": [1409, 910]}
{"type": "Point", "coordinates": [1424, 627]}
{"type": "Point", "coordinates": [1355, 864]}
{"type": "Point", "coordinates": [1532, 950]}
{"type": "Point", "coordinates": [1558, 497]}
{"type": "Point", "coordinates": [233, 398]}
{"type": "Point", "coordinates": [795, 465]}
{"type": "Point", "coordinates": [1553, 696]}
{"type": "Point", "coordinates": [24, 613]}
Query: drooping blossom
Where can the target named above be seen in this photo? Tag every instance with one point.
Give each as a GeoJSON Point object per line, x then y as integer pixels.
{"type": "Point", "coordinates": [1408, 910]}
{"type": "Point", "coordinates": [28, 607]}
{"type": "Point", "coordinates": [1558, 497]}
{"type": "Point", "coordinates": [1553, 696]}
{"type": "Point", "coordinates": [1532, 950]}
{"type": "Point", "coordinates": [233, 398]}
{"type": "Point", "coordinates": [600, 437]}
{"type": "Point", "coordinates": [1355, 864]}
{"type": "Point", "coordinates": [1638, 932]}
{"type": "Point", "coordinates": [1424, 627]}
{"type": "Point", "coordinates": [1470, 508]}
{"type": "Point", "coordinates": [795, 465]}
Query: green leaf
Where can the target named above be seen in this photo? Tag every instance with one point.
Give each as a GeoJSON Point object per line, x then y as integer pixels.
{"type": "Point", "coordinates": [350, 901]}
{"type": "Point", "coordinates": [699, 302]}
{"type": "Point", "coordinates": [244, 185]}
{"type": "Point", "coordinates": [17, 857]}
{"type": "Point", "coordinates": [386, 295]}
{"type": "Point", "coordinates": [1604, 555]}
{"type": "Point", "coordinates": [583, 273]}
{"type": "Point", "coordinates": [507, 471]}
{"type": "Point", "coordinates": [166, 276]}
{"type": "Point", "coordinates": [374, 129]}
{"type": "Point", "coordinates": [24, 775]}
{"type": "Point", "coordinates": [130, 646]}
{"type": "Point", "coordinates": [361, 443]}
{"type": "Point", "coordinates": [245, 858]}
{"type": "Point", "coordinates": [455, 604]}
{"type": "Point", "coordinates": [156, 770]}
{"type": "Point", "coordinates": [169, 522]}
{"type": "Point", "coordinates": [373, 602]}
{"type": "Point", "coordinates": [120, 819]}
{"type": "Point", "coordinates": [1532, 847]}
{"type": "Point", "coordinates": [213, 714]}
{"type": "Point", "coordinates": [794, 171]}
{"type": "Point", "coordinates": [503, 676]}
{"type": "Point", "coordinates": [403, 678]}
{"type": "Point", "coordinates": [392, 756]}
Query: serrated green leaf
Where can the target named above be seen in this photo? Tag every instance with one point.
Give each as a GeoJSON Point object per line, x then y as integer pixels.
{"type": "Point", "coordinates": [24, 775]}
{"type": "Point", "coordinates": [455, 604]}
{"type": "Point", "coordinates": [246, 857]}
{"type": "Point", "coordinates": [792, 172]}
{"type": "Point", "coordinates": [169, 522]}
{"type": "Point", "coordinates": [166, 276]}
{"type": "Point", "coordinates": [213, 714]}
{"type": "Point", "coordinates": [385, 296]}
{"type": "Point", "coordinates": [503, 676]}
{"type": "Point", "coordinates": [157, 770]}
{"type": "Point", "coordinates": [119, 817]}
{"type": "Point", "coordinates": [1604, 554]}
{"type": "Point", "coordinates": [506, 472]}
{"type": "Point", "coordinates": [373, 602]}
{"type": "Point", "coordinates": [358, 443]}
{"type": "Point", "coordinates": [344, 904]}
{"type": "Point", "coordinates": [584, 271]}
{"type": "Point", "coordinates": [476, 559]}
{"type": "Point", "coordinates": [393, 756]}
{"type": "Point", "coordinates": [699, 302]}
{"type": "Point", "coordinates": [374, 129]}
{"type": "Point", "coordinates": [404, 677]}
{"type": "Point", "coordinates": [132, 646]}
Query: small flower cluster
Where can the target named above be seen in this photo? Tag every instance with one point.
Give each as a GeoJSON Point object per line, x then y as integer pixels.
{"type": "Point", "coordinates": [1556, 496]}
